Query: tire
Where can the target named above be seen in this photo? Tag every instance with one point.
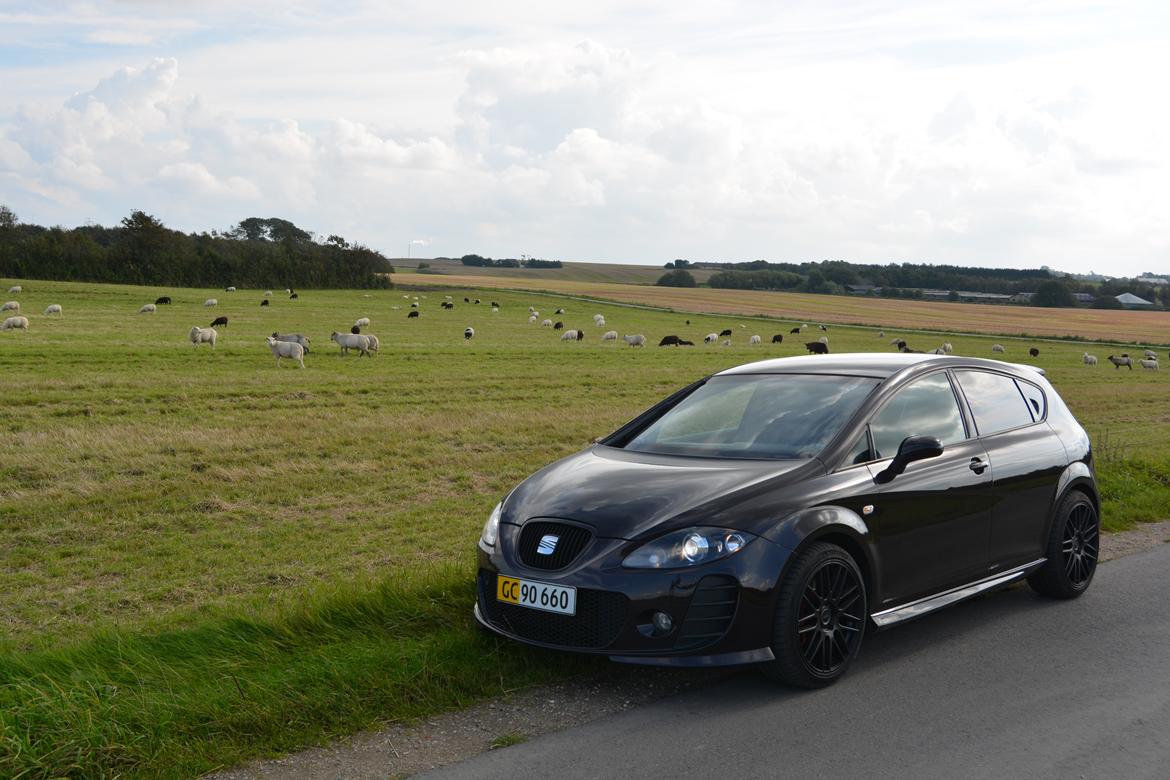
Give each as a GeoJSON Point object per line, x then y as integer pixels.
{"type": "Point", "coordinates": [1073, 545]}
{"type": "Point", "coordinates": [821, 610]}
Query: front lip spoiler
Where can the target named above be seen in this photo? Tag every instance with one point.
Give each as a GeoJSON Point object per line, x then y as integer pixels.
{"type": "Point", "coordinates": [740, 658]}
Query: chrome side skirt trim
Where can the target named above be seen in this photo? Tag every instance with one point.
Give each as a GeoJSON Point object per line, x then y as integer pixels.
{"type": "Point", "coordinates": [889, 617]}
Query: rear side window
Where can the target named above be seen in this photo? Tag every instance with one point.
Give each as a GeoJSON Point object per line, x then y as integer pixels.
{"type": "Point", "coordinates": [1035, 398]}
{"type": "Point", "coordinates": [995, 400]}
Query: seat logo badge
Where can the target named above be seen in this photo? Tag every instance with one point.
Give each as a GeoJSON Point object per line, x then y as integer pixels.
{"type": "Point", "coordinates": [867, 509]}
{"type": "Point", "coordinates": [548, 544]}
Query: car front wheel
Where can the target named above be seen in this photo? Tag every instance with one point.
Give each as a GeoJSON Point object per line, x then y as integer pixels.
{"type": "Point", "coordinates": [820, 617]}
{"type": "Point", "coordinates": [1073, 545]}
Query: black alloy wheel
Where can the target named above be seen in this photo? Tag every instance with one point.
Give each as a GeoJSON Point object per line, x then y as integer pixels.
{"type": "Point", "coordinates": [820, 617]}
{"type": "Point", "coordinates": [1073, 546]}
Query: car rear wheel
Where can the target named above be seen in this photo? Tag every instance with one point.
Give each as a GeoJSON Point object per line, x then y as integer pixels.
{"type": "Point", "coordinates": [820, 617]}
{"type": "Point", "coordinates": [1073, 544]}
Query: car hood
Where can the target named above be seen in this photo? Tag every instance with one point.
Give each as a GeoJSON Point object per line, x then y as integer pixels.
{"type": "Point", "coordinates": [626, 495]}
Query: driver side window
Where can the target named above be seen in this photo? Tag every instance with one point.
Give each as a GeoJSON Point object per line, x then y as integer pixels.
{"type": "Point", "coordinates": [926, 407]}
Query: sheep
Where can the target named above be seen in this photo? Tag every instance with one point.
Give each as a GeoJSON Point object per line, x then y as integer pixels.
{"type": "Point", "coordinates": [16, 289]}
{"type": "Point", "coordinates": [288, 291]}
{"type": "Point", "coordinates": [1089, 360]}
{"type": "Point", "coordinates": [546, 324]}
{"type": "Point", "coordinates": [794, 330]}
{"type": "Point", "coordinates": [559, 311]}
{"type": "Point", "coordinates": [599, 321]}
{"type": "Point", "coordinates": [495, 310]}
{"type": "Point", "coordinates": [558, 325]}
{"type": "Point", "coordinates": [817, 348]}
{"type": "Point", "coordinates": [219, 321]}
{"type": "Point", "coordinates": [725, 332]}
{"type": "Point", "coordinates": [778, 338]}
{"type": "Point", "coordinates": [998, 348]}
{"type": "Point", "coordinates": [1150, 364]}
{"type": "Point", "coordinates": [669, 341]}
{"type": "Point", "coordinates": [355, 329]}
{"type": "Point", "coordinates": [494, 304]}
{"type": "Point", "coordinates": [293, 296]}
{"type": "Point", "coordinates": [823, 327]}
{"type": "Point", "coordinates": [907, 350]}
{"type": "Point", "coordinates": [573, 335]}
{"type": "Point", "coordinates": [725, 343]}
{"type": "Point", "coordinates": [15, 323]}
{"type": "Point", "coordinates": [364, 322]}
{"type": "Point", "coordinates": [688, 322]}
{"type": "Point", "coordinates": [264, 302]}
{"type": "Point", "coordinates": [468, 334]}
{"type": "Point", "coordinates": [163, 300]}
{"type": "Point", "coordinates": [753, 341]}
{"type": "Point", "coordinates": [200, 335]}
{"type": "Point", "coordinates": [900, 344]}
{"type": "Point", "coordinates": [610, 335]}
{"type": "Point", "coordinates": [897, 340]}
{"type": "Point", "coordinates": [288, 349]}
{"type": "Point", "coordinates": [938, 351]}
{"type": "Point", "coordinates": [211, 302]}
{"type": "Point", "coordinates": [465, 299]}
{"type": "Point", "coordinates": [54, 308]}
{"type": "Point", "coordinates": [881, 334]}
{"type": "Point", "coordinates": [742, 325]}
{"type": "Point", "coordinates": [413, 315]}
{"type": "Point", "coordinates": [685, 343]}
{"type": "Point", "coordinates": [947, 348]}
{"type": "Point", "coordinates": [414, 305]}
{"type": "Point", "coordinates": [477, 301]}
{"type": "Point", "coordinates": [10, 306]}
{"type": "Point", "coordinates": [1124, 360]}
{"type": "Point", "coordinates": [268, 293]}
{"type": "Point", "coordinates": [147, 309]}
{"type": "Point", "coordinates": [823, 339]}
{"type": "Point", "coordinates": [293, 337]}
{"type": "Point", "coordinates": [375, 345]}
{"type": "Point", "coordinates": [348, 341]}
{"type": "Point", "coordinates": [1033, 352]}
{"type": "Point", "coordinates": [710, 338]}
{"type": "Point", "coordinates": [532, 310]}
{"type": "Point", "coordinates": [532, 319]}
{"type": "Point", "coordinates": [637, 340]}
{"type": "Point", "coordinates": [229, 289]}
{"type": "Point", "coordinates": [1151, 355]}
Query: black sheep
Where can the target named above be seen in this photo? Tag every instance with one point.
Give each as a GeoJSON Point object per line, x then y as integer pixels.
{"type": "Point", "coordinates": [495, 304]}
{"type": "Point", "coordinates": [725, 332]}
{"type": "Point", "coordinates": [817, 348]}
{"type": "Point", "coordinates": [558, 325]}
{"type": "Point", "coordinates": [219, 321]}
{"type": "Point", "coordinates": [795, 330]}
{"type": "Point", "coordinates": [823, 327]}
{"type": "Point", "coordinates": [164, 300]}
{"type": "Point", "coordinates": [412, 315]}
{"type": "Point", "coordinates": [355, 330]}
{"type": "Point", "coordinates": [293, 297]}
{"type": "Point", "coordinates": [778, 338]}
{"type": "Point", "coordinates": [668, 341]}
{"type": "Point", "coordinates": [264, 302]}
{"type": "Point", "coordinates": [685, 343]}
{"type": "Point", "coordinates": [467, 300]}
{"type": "Point", "coordinates": [1034, 352]}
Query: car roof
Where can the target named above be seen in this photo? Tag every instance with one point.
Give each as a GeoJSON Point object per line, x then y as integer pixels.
{"type": "Point", "coordinates": [871, 364]}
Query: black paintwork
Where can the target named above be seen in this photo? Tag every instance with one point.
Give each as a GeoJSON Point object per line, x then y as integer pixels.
{"type": "Point", "coordinates": [982, 506]}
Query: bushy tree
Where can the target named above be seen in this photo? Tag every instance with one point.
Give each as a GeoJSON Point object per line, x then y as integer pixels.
{"type": "Point", "coordinates": [676, 278]}
{"type": "Point", "coordinates": [1054, 294]}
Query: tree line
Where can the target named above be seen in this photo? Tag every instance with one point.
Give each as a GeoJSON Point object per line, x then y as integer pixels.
{"type": "Point", "coordinates": [257, 252]}
{"type": "Point", "coordinates": [508, 262]}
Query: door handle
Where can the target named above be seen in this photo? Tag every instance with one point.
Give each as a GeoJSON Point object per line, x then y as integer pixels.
{"type": "Point", "coordinates": [977, 466]}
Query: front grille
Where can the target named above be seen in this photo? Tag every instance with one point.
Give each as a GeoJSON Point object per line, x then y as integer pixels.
{"type": "Point", "coordinates": [570, 541]}
{"type": "Point", "coordinates": [600, 616]}
{"type": "Point", "coordinates": [710, 613]}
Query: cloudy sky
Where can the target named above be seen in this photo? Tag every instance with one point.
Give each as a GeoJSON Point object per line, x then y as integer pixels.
{"type": "Point", "coordinates": [1005, 133]}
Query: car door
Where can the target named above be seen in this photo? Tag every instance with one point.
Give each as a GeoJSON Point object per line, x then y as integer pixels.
{"type": "Point", "coordinates": [1027, 459]}
{"type": "Point", "coordinates": [931, 522]}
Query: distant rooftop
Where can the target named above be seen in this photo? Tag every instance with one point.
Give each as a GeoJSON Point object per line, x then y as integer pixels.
{"type": "Point", "coordinates": [1129, 299]}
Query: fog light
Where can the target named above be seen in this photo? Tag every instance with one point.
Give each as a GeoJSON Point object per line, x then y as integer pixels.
{"type": "Point", "coordinates": [662, 622]}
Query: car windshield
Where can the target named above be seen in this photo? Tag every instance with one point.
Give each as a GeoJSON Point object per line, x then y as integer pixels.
{"type": "Point", "coordinates": [756, 416]}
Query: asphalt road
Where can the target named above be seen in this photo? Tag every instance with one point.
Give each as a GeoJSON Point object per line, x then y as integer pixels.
{"type": "Point", "coordinates": [1009, 685]}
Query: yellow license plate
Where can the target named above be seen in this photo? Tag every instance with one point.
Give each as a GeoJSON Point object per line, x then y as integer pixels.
{"type": "Point", "coordinates": [537, 595]}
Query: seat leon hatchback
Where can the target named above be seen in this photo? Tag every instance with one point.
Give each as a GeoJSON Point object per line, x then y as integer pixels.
{"type": "Point", "coordinates": [771, 513]}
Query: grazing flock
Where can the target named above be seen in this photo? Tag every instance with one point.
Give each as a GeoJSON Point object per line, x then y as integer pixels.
{"type": "Point", "coordinates": [295, 346]}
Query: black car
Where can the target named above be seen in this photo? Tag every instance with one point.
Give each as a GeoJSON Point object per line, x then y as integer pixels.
{"type": "Point", "coordinates": [769, 513]}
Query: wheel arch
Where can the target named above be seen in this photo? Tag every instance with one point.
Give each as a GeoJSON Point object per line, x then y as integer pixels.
{"type": "Point", "coordinates": [1077, 476]}
{"type": "Point", "coordinates": [836, 525]}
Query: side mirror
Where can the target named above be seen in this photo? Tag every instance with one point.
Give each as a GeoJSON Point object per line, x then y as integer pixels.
{"type": "Point", "coordinates": [911, 449]}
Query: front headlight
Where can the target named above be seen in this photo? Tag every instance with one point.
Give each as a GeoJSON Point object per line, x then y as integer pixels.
{"type": "Point", "coordinates": [688, 547]}
{"type": "Point", "coordinates": [491, 529]}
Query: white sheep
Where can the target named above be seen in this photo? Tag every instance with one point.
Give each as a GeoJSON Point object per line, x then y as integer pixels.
{"type": "Point", "coordinates": [375, 345]}
{"type": "Point", "coordinates": [200, 335]}
{"type": "Point", "coordinates": [753, 341]}
{"type": "Point", "coordinates": [598, 320]}
{"type": "Point", "coordinates": [546, 324]}
{"type": "Point", "coordinates": [16, 289]}
{"type": "Point", "coordinates": [288, 349]}
{"type": "Point", "coordinates": [881, 334]}
{"type": "Point", "coordinates": [532, 319]}
{"type": "Point", "coordinates": [532, 310]}
{"type": "Point", "coordinates": [15, 323]}
{"type": "Point", "coordinates": [610, 335]}
{"type": "Point", "coordinates": [710, 338]}
{"type": "Point", "coordinates": [348, 341]}
{"type": "Point", "coordinates": [468, 334]}
{"type": "Point", "coordinates": [268, 293]}
{"type": "Point", "coordinates": [726, 342]}
{"type": "Point", "coordinates": [297, 338]}
{"type": "Point", "coordinates": [938, 351]}
{"type": "Point", "coordinates": [998, 348]}
{"type": "Point", "coordinates": [495, 310]}
{"type": "Point", "coordinates": [637, 340]}
{"type": "Point", "coordinates": [148, 309]}
{"type": "Point", "coordinates": [1089, 360]}
{"type": "Point", "coordinates": [363, 322]}
{"type": "Point", "coordinates": [824, 340]}
{"type": "Point", "coordinates": [572, 335]}
{"type": "Point", "coordinates": [1150, 364]}
{"type": "Point", "coordinates": [1151, 355]}
{"type": "Point", "coordinates": [947, 348]}
{"type": "Point", "coordinates": [230, 289]}
{"type": "Point", "coordinates": [10, 306]}
{"type": "Point", "coordinates": [211, 302]}
{"type": "Point", "coordinates": [53, 308]}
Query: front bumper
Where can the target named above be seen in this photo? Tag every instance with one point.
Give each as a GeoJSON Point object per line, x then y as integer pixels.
{"type": "Point", "coordinates": [722, 611]}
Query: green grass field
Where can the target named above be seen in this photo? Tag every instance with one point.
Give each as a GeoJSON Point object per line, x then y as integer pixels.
{"type": "Point", "coordinates": [204, 558]}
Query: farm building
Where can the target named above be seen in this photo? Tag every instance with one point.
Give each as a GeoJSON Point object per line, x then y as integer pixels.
{"type": "Point", "coordinates": [1129, 299]}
